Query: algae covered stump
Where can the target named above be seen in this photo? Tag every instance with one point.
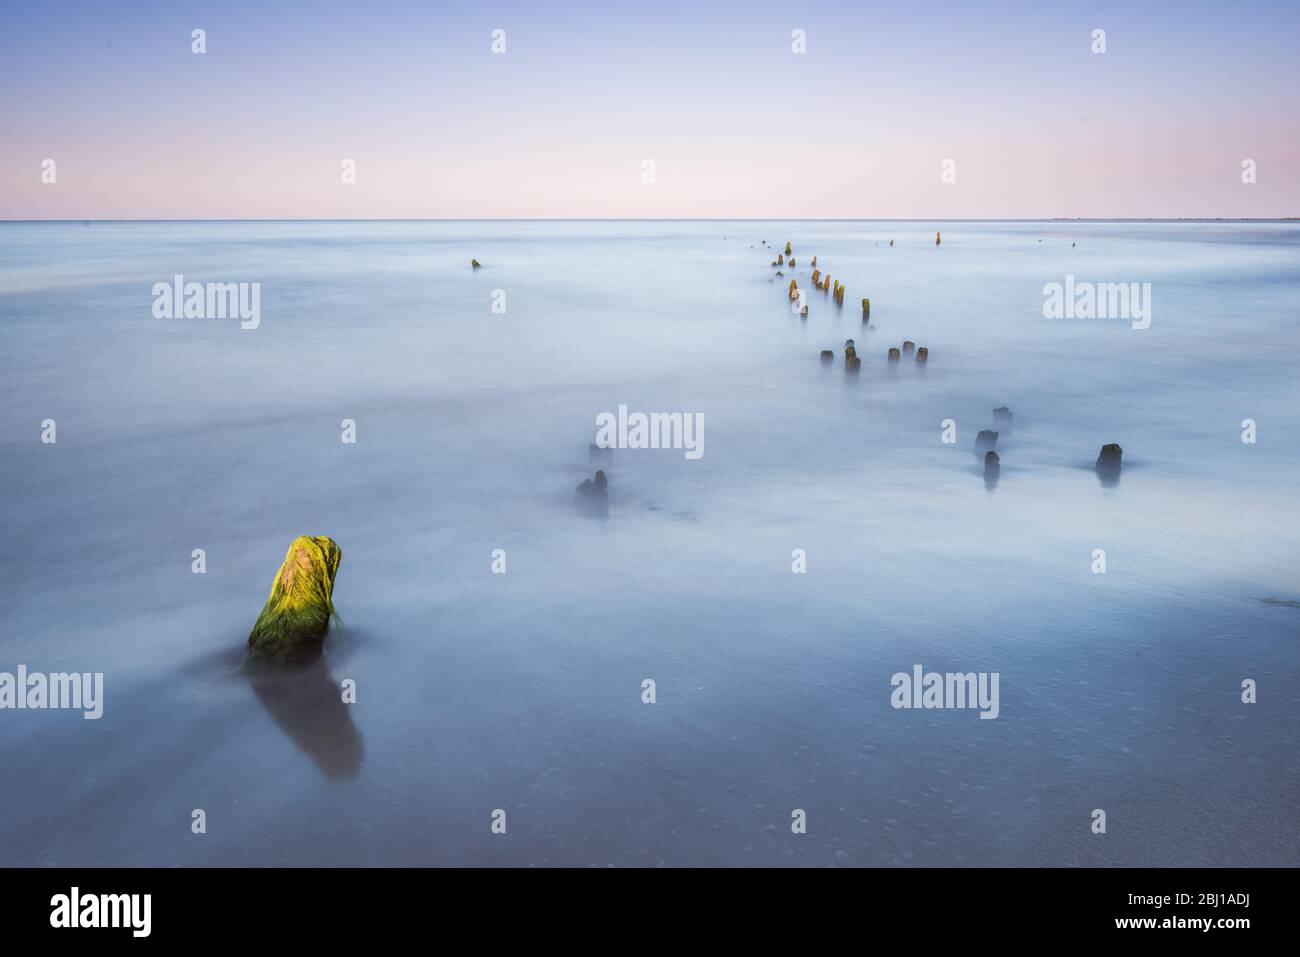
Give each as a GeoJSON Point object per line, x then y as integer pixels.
{"type": "Point", "coordinates": [293, 622]}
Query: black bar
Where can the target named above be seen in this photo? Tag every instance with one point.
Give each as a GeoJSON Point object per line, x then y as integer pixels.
{"type": "Point", "coordinates": [302, 906]}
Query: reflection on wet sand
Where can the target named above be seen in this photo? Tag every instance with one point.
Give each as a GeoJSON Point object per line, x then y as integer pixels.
{"type": "Point", "coordinates": [307, 703]}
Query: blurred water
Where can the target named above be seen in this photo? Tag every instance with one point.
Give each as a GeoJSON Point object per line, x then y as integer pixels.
{"type": "Point", "coordinates": [523, 691]}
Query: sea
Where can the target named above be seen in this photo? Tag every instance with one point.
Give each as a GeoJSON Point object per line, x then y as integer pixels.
{"type": "Point", "coordinates": [705, 672]}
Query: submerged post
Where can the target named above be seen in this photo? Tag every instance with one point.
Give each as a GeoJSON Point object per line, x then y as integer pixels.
{"type": "Point", "coordinates": [992, 469]}
{"type": "Point", "coordinates": [592, 496]}
{"type": "Point", "coordinates": [1108, 464]}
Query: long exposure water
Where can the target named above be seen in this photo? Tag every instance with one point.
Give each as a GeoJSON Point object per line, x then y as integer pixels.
{"type": "Point", "coordinates": [523, 691]}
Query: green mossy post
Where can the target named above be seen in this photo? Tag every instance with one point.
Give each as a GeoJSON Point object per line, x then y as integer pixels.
{"type": "Point", "coordinates": [866, 310]}
{"type": "Point", "coordinates": [293, 622]}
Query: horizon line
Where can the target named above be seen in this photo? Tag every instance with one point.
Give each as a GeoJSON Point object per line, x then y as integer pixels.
{"type": "Point", "coordinates": [678, 219]}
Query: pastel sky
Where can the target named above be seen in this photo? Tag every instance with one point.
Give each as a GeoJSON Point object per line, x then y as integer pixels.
{"type": "Point", "coordinates": [736, 124]}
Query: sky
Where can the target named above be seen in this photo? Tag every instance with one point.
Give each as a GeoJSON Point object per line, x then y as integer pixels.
{"type": "Point", "coordinates": [648, 110]}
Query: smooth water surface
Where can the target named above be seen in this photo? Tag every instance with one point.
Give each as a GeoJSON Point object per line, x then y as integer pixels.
{"type": "Point", "coordinates": [523, 691]}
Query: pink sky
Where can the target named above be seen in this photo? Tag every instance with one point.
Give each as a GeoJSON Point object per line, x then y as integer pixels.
{"type": "Point", "coordinates": [736, 123]}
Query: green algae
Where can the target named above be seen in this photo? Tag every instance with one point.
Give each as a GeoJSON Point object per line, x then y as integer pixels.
{"type": "Point", "coordinates": [293, 622]}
